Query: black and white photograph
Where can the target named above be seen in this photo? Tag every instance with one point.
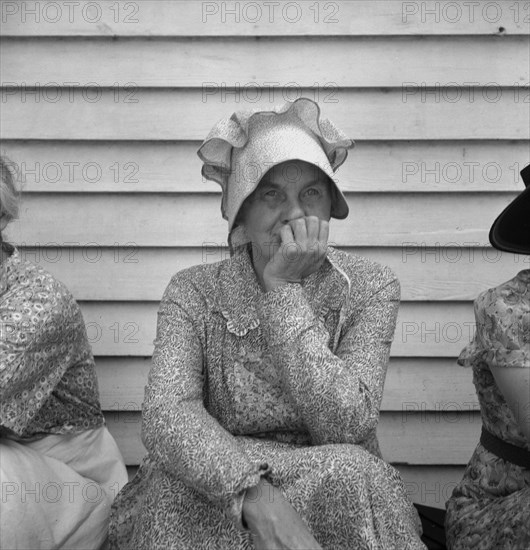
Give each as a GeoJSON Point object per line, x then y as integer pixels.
{"type": "Point", "coordinates": [264, 275]}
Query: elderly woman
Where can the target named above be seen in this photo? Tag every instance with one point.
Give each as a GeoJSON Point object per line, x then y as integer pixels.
{"type": "Point", "coordinates": [60, 468]}
{"type": "Point", "coordinates": [262, 404]}
{"type": "Point", "coordinates": [490, 508]}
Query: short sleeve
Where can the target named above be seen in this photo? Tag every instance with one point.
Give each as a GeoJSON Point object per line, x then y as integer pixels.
{"type": "Point", "coordinates": [502, 338]}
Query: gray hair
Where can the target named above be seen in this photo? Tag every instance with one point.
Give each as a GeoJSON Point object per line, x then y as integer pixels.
{"type": "Point", "coordinates": [9, 194]}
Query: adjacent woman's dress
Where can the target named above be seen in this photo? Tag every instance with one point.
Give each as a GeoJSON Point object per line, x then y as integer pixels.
{"type": "Point", "coordinates": [490, 508]}
{"type": "Point", "coordinates": [60, 468]}
{"type": "Point", "coordinates": [289, 380]}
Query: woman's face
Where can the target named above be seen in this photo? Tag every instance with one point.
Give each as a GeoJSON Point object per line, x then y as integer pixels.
{"type": "Point", "coordinates": [290, 190]}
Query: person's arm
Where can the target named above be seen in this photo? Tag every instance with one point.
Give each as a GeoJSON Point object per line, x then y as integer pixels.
{"type": "Point", "coordinates": [177, 430]}
{"type": "Point", "coordinates": [42, 334]}
{"type": "Point", "coordinates": [514, 383]}
{"type": "Point", "coordinates": [338, 395]}
{"type": "Point", "coordinates": [273, 522]}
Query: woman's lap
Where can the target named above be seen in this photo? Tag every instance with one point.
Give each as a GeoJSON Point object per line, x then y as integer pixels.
{"type": "Point", "coordinates": [347, 496]}
{"type": "Point", "coordinates": [490, 507]}
{"type": "Point", "coordinates": [489, 523]}
{"type": "Point", "coordinates": [48, 501]}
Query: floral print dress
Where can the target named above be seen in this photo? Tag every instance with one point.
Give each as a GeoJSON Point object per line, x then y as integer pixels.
{"type": "Point", "coordinates": [60, 468]}
{"type": "Point", "coordinates": [490, 508]}
{"type": "Point", "coordinates": [48, 378]}
{"type": "Point", "coordinates": [288, 383]}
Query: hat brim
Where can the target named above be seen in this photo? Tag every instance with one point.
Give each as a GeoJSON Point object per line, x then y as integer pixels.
{"type": "Point", "coordinates": [339, 206]}
{"type": "Point", "coordinates": [510, 232]}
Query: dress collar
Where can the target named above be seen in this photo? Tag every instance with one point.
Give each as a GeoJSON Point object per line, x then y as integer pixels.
{"type": "Point", "coordinates": [240, 290]}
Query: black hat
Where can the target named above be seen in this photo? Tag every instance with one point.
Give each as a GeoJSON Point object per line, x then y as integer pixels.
{"type": "Point", "coordinates": [511, 230]}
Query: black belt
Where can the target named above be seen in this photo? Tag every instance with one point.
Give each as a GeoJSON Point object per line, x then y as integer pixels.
{"type": "Point", "coordinates": [506, 451]}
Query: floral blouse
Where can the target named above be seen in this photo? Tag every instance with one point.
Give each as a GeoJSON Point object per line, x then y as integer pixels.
{"type": "Point", "coordinates": [48, 382]}
{"type": "Point", "coordinates": [502, 339]}
{"type": "Point", "coordinates": [311, 357]}
{"type": "Point", "coordinates": [490, 507]}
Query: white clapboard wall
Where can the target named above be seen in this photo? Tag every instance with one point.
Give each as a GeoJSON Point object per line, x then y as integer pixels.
{"type": "Point", "coordinates": [104, 105]}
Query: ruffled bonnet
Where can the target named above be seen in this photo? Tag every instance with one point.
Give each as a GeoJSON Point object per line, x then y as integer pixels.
{"type": "Point", "coordinates": [239, 151]}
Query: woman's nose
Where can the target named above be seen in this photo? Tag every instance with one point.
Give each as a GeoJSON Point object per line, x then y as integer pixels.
{"type": "Point", "coordinates": [293, 210]}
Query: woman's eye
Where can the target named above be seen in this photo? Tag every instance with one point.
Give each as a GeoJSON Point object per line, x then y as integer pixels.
{"type": "Point", "coordinates": [313, 192]}
{"type": "Point", "coordinates": [272, 193]}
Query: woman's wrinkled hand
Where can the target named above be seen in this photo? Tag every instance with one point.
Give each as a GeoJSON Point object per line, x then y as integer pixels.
{"type": "Point", "coordinates": [273, 522]}
{"type": "Point", "coordinates": [302, 251]}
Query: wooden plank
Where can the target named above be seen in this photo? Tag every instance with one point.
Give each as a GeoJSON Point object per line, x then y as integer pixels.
{"type": "Point", "coordinates": [191, 220]}
{"type": "Point", "coordinates": [447, 437]}
{"type": "Point", "coordinates": [142, 274]}
{"type": "Point", "coordinates": [187, 114]}
{"type": "Point", "coordinates": [428, 384]}
{"type": "Point", "coordinates": [412, 383]}
{"type": "Point", "coordinates": [126, 429]}
{"type": "Point", "coordinates": [416, 439]}
{"type": "Point", "coordinates": [424, 329]}
{"type": "Point", "coordinates": [433, 329]}
{"type": "Point", "coordinates": [122, 381]}
{"type": "Point", "coordinates": [174, 167]}
{"type": "Point", "coordinates": [431, 485]}
{"type": "Point", "coordinates": [329, 64]}
{"type": "Point", "coordinates": [160, 18]}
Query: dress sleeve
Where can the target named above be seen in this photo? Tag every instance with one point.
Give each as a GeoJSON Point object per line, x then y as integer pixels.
{"type": "Point", "coordinates": [338, 394]}
{"type": "Point", "coordinates": [502, 337]}
{"type": "Point", "coordinates": [42, 334]}
{"type": "Point", "coordinates": [177, 430]}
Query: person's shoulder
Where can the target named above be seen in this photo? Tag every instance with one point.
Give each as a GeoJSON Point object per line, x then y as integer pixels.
{"type": "Point", "coordinates": [36, 284]}
{"type": "Point", "coordinates": [366, 275]}
{"type": "Point", "coordinates": [36, 300]}
{"type": "Point", "coordinates": [507, 297]}
{"type": "Point", "coordinates": [501, 315]}
{"type": "Point", "coordinates": [198, 281]}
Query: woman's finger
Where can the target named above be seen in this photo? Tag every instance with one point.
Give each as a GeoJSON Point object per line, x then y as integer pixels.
{"type": "Point", "coordinates": [299, 230]}
{"type": "Point", "coordinates": [286, 234]}
{"type": "Point", "coordinates": [313, 228]}
{"type": "Point", "coordinates": [323, 234]}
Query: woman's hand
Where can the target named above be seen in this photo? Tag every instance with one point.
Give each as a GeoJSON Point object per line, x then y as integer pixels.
{"type": "Point", "coordinates": [301, 252]}
{"type": "Point", "coordinates": [273, 522]}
